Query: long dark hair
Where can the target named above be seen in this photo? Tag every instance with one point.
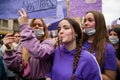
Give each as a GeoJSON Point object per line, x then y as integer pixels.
{"type": "Point", "coordinates": [117, 30]}
{"type": "Point", "coordinates": [78, 33]}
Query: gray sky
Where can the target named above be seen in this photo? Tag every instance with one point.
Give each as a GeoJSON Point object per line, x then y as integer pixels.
{"type": "Point", "coordinates": [111, 10]}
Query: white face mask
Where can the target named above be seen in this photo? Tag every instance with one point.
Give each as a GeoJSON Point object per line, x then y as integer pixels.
{"type": "Point", "coordinates": [38, 33]}
{"type": "Point", "coordinates": [90, 31]}
{"type": "Point", "coordinates": [113, 40]}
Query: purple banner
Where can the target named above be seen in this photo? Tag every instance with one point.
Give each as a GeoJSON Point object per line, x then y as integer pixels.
{"type": "Point", "coordinates": [78, 8]}
{"type": "Point", "coordinates": [61, 13]}
{"type": "Point", "coordinates": [34, 8]}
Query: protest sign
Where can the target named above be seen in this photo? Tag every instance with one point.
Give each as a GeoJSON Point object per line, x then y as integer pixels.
{"type": "Point", "coordinates": [61, 13]}
{"type": "Point", "coordinates": [78, 8]}
{"type": "Point", "coordinates": [34, 8]}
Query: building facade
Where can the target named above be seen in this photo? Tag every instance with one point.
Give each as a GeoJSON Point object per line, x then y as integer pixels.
{"type": "Point", "coordinates": [7, 26]}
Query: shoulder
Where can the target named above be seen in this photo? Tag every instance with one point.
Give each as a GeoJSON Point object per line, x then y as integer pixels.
{"type": "Point", "coordinates": [88, 62]}
{"type": "Point", "coordinates": [109, 48]}
{"type": "Point", "coordinates": [108, 45]}
{"type": "Point", "coordinates": [85, 55]}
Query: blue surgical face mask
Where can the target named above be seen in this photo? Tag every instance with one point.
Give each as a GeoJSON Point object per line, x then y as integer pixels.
{"type": "Point", "coordinates": [38, 33]}
{"type": "Point", "coordinates": [89, 31]}
{"type": "Point", "coordinates": [113, 40]}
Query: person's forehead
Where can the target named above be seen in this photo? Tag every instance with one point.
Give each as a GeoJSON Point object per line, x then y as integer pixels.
{"type": "Point", "coordinates": [89, 15]}
{"type": "Point", "coordinates": [64, 22]}
{"type": "Point", "coordinates": [37, 21]}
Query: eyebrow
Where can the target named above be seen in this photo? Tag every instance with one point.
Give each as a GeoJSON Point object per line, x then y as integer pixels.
{"type": "Point", "coordinates": [65, 25]}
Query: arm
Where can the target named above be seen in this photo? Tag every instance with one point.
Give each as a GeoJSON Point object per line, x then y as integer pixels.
{"type": "Point", "coordinates": [118, 64]}
{"type": "Point", "coordinates": [94, 69]}
{"type": "Point", "coordinates": [108, 73]}
{"type": "Point", "coordinates": [90, 68]}
{"type": "Point", "coordinates": [110, 63]}
{"type": "Point", "coordinates": [13, 60]}
{"type": "Point", "coordinates": [35, 48]}
{"type": "Point", "coordinates": [33, 45]}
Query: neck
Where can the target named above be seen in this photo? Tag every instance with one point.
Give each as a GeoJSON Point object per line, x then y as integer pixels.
{"type": "Point", "coordinates": [90, 39]}
{"type": "Point", "coordinates": [70, 46]}
{"type": "Point", "coordinates": [116, 46]}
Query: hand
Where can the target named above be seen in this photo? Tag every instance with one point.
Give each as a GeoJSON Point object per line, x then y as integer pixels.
{"type": "Point", "coordinates": [8, 40]}
{"type": "Point", "coordinates": [55, 40]}
{"type": "Point", "coordinates": [23, 19]}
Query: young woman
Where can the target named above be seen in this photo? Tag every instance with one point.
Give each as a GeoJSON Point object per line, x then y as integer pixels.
{"type": "Point", "coordinates": [114, 37]}
{"type": "Point", "coordinates": [70, 61]}
{"type": "Point", "coordinates": [96, 42]}
{"type": "Point", "coordinates": [33, 59]}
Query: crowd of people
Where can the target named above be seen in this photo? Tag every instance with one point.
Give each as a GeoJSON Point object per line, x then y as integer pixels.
{"type": "Point", "coordinates": [90, 52]}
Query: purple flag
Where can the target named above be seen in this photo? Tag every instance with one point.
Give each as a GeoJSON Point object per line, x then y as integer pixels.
{"type": "Point", "coordinates": [78, 8]}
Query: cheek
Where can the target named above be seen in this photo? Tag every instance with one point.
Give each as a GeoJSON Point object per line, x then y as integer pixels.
{"type": "Point", "coordinates": [93, 24]}
{"type": "Point", "coordinates": [69, 33]}
{"type": "Point", "coordinates": [41, 28]}
{"type": "Point", "coordinates": [116, 36]}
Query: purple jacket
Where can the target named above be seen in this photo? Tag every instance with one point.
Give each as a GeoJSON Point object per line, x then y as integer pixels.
{"type": "Point", "coordinates": [40, 55]}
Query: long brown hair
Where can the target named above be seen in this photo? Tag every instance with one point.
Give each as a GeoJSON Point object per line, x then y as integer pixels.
{"type": "Point", "coordinates": [46, 35]}
{"type": "Point", "coordinates": [100, 37]}
{"type": "Point", "coordinates": [78, 33]}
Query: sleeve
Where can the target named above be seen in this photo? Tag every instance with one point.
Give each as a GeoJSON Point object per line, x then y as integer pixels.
{"type": "Point", "coordinates": [93, 69]}
{"type": "Point", "coordinates": [110, 58]}
{"type": "Point", "coordinates": [3, 48]}
{"type": "Point", "coordinates": [36, 49]}
{"type": "Point", "coordinates": [13, 61]}
{"type": "Point", "coordinates": [89, 68]}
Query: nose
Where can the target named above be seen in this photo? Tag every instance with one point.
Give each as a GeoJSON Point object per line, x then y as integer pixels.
{"type": "Point", "coordinates": [86, 24]}
{"type": "Point", "coordinates": [36, 26]}
{"type": "Point", "coordinates": [61, 31]}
